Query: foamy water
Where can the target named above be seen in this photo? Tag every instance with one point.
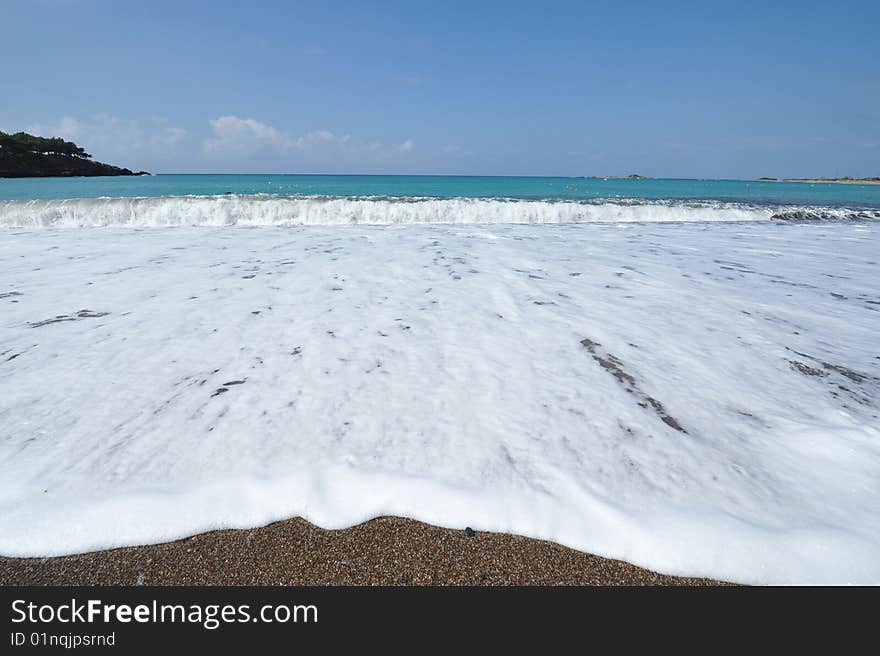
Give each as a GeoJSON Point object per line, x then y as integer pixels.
{"type": "Point", "coordinates": [699, 398]}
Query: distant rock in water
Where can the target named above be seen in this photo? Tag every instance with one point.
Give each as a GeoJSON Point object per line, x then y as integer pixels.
{"type": "Point", "coordinates": [24, 155]}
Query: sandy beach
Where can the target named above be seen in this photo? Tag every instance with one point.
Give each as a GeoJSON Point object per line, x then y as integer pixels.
{"type": "Point", "coordinates": [383, 551]}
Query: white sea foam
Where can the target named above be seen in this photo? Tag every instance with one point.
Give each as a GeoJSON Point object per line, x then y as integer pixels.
{"type": "Point", "coordinates": [268, 210]}
{"type": "Point", "coordinates": [698, 399]}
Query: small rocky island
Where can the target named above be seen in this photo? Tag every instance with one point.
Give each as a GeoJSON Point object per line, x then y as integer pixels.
{"type": "Point", "coordinates": [24, 155]}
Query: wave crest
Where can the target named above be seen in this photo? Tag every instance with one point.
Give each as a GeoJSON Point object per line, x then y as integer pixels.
{"type": "Point", "coordinates": [269, 210]}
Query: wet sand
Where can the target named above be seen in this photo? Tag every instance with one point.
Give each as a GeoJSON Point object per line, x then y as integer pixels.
{"type": "Point", "coordinates": [383, 551]}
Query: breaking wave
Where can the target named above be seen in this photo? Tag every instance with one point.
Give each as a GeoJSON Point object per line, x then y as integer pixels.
{"type": "Point", "coordinates": [273, 210]}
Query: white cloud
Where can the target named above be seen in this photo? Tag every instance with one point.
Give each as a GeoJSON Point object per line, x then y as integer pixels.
{"type": "Point", "coordinates": [320, 137]}
{"type": "Point", "coordinates": [233, 135]}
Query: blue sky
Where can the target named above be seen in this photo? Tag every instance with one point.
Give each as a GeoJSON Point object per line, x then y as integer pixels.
{"type": "Point", "coordinates": [673, 89]}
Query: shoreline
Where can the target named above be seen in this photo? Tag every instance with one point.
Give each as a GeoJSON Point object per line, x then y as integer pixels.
{"type": "Point", "coordinates": [851, 181]}
{"type": "Point", "coordinates": [381, 551]}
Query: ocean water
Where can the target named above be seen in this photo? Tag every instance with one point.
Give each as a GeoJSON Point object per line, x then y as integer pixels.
{"type": "Point", "coordinates": [687, 381]}
{"type": "Point", "coordinates": [410, 186]}
{"type": "Point", "coordinates": [166, 200]}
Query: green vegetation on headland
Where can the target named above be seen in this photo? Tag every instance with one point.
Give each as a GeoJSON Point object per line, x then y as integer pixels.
{"type": "Point", "coordinates": [845, 180]}
{"type": "Point", "coordinates": [23, 155]}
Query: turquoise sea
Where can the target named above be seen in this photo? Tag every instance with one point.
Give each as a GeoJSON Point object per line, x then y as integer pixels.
{"type": "Point", "coordinates": [785, 193]}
